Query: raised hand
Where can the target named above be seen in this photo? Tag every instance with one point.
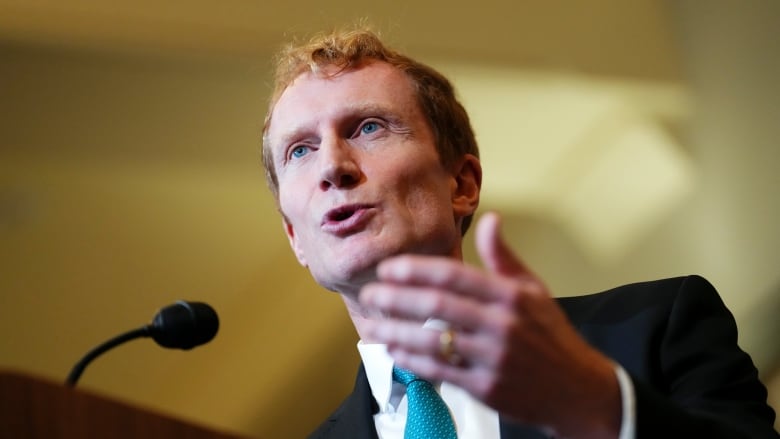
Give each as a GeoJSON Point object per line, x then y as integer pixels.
{"type": "Point", "coordinates": [515, 348]}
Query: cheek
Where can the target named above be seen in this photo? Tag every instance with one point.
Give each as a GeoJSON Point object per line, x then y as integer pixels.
{"type": "Point", "coordinates": [427, 193]}
{"type": "Point", "coordinates": [292, 198]}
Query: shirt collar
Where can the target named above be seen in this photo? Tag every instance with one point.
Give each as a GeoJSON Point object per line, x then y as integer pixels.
{"type": "Point", "coordinates": [379, 371]}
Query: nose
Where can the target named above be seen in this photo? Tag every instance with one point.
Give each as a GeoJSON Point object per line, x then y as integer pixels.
{"type": "Point", "coordinates": [339, 167]}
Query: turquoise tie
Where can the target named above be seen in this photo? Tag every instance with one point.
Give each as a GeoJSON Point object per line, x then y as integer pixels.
{"type": "Point", "coordinates": [428, 416]}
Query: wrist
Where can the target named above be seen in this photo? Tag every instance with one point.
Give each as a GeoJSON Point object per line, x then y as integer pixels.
{"type": "Point", "coordinates": [595, 410]}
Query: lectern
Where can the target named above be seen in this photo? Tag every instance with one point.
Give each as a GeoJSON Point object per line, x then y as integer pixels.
{"type": "Point", "coordinates": [35, 408]}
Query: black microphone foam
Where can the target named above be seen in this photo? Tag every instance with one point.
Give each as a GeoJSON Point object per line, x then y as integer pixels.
{"type": "Point", "coordinates": [184, 325]}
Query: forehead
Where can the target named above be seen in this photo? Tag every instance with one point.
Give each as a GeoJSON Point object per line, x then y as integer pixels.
{"type": "Point", "coordinates": [312, 99]}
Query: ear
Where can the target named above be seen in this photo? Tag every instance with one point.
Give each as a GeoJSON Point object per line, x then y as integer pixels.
{"type": "Point", "coordinates": [288, 229]}
{"type": "Point", "coordinates": [467, 181]}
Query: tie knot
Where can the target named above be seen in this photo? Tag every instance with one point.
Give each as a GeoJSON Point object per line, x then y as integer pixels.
{"type": "Point", "coordinates": [404, 376]}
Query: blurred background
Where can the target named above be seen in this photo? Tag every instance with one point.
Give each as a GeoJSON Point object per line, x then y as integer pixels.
{"type": "Point", "coordinates": [622, 141]}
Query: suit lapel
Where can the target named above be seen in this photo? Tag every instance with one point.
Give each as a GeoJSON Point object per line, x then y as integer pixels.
{"type": "Point", "coordinates": [355, 417]}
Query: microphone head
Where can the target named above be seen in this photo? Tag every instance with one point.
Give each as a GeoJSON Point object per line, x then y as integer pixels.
{"type": "Point", "coordinates": [184, 325]}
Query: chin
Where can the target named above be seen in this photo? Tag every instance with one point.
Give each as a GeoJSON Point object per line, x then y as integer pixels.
{"type": "Point", "coordinates": [346, 279]}
{"type": "Point", "coordinates": [343, 273]}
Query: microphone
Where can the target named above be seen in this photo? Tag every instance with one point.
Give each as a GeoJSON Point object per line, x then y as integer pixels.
{"type": "Point", "coordinates": [182, 325]}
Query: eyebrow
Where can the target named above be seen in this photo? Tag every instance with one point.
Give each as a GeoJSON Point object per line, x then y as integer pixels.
{"type": "Point", "coordinates": [351, 111]}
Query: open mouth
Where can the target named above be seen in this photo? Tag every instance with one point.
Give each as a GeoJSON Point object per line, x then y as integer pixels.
{"type": "Point", "coordinates": [347, 219]}
{"type": "Point", "coordinates": [341, 214]}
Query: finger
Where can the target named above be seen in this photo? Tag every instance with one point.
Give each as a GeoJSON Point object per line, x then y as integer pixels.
{"type": "Point", "coordinates": [444, 274]}
{"type": "Point", "coordinates": [431, 368]}
{"type": "Point", "coordinates": [474, 379]}
{"type": "Point", "coordinates": [422, 303]}
{"type": "Point", "coordinates": [408, 338]}
{"type": "Point", "coordinates": [493, 250]}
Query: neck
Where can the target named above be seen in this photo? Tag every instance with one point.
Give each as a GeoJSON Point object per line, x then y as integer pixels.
{"type": "Point", "coordinates": [360, 316]}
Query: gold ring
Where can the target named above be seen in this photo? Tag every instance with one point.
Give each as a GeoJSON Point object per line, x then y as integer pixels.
{"type": "Point", "coordinates": [447, 347]}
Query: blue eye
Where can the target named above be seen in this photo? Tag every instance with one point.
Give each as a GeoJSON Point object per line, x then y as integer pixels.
{"type": "Point", "coordinates": [299, 151]}
{"type": "Point", "coordinates": [369, 127]}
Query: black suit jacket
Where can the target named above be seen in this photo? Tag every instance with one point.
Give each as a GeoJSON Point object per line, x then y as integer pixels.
{"type": "Point", "coordinates": [676, 339]}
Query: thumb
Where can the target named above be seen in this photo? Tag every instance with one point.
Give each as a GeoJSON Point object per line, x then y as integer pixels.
{"type": "Point", "coordinates": [495, 254]}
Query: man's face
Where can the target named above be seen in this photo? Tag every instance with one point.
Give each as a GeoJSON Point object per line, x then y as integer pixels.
{"type": "Point", "coordinates": [359, 175]}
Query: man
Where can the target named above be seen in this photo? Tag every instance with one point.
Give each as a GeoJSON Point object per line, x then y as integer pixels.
{"type": "Point", "coordinates": [375, 171]}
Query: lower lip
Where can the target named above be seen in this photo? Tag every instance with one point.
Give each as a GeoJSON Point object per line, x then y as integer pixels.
{"type": "Point", "coordinates": [353, 224]}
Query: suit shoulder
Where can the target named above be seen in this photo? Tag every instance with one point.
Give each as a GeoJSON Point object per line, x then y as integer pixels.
{"type": "Point", "coordinates": [638, 297]}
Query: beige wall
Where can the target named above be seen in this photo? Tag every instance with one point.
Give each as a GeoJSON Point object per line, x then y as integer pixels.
{"type": "Point", "coordinates": [130, 179]}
